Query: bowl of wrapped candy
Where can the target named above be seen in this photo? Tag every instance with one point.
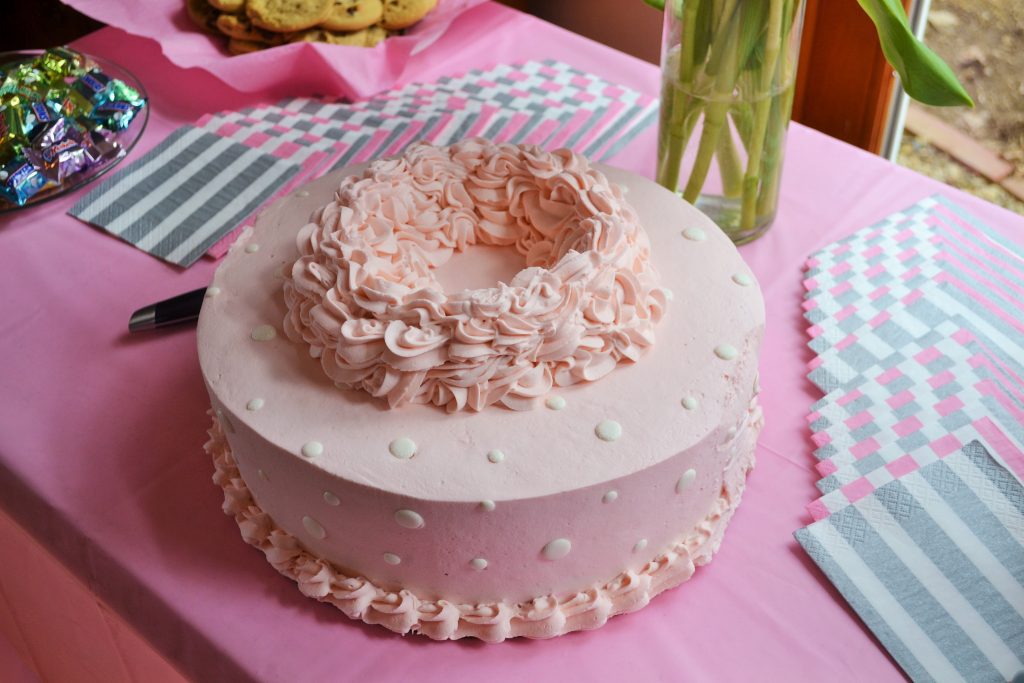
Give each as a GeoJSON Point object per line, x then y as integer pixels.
{"type": "Point", "coordinates": [66, 118]}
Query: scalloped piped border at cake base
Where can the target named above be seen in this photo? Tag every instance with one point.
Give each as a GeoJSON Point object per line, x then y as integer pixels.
{"type": "Point", "coordinates": [543, 617]}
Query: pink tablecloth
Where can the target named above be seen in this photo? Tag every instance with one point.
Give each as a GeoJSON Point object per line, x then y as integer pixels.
{"type": "Point", "coordinates": [101, 436]}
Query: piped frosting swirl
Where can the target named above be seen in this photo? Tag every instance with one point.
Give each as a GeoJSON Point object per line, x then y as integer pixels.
{"type": "Point", "coordinates": [364, 297]}
{"type": "Point", "coordinates": [541, 617]}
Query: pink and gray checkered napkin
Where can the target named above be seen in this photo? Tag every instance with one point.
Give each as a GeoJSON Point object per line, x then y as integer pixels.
{"type": "Point", "coordinates": [195, 191]}
{"type": "Point", "coordinates": [918, 323]}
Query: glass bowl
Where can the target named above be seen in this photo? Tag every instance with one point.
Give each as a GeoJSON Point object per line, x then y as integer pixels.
{"type": "Point", "coordinates": [126, 138]}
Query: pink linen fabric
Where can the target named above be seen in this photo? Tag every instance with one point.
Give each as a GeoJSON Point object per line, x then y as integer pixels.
{"type": "Point", "coordinates": [43, 603]}
{"type": "Point", "coordinates": [101, 434]}
{"type": "Point", "coordinates": [287, 70]}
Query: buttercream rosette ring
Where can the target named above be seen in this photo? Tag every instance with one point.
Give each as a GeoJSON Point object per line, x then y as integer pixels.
{"type": "Point", "coordinates": [363, 294]}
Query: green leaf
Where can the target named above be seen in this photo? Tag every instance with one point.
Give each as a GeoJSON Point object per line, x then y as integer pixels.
{"type": "Point", "coordinates": [703, 30]}
{"type": "Point", "coordinates": [923, 74]}
{"type": "Point", "coordinates": [788, 17]}
{"type": "Point", "coordinates": [724, 46]}
{"type": "Point", "coordinates": [660, 6]}
{"type": "Point", "coordinates": [753, 29]}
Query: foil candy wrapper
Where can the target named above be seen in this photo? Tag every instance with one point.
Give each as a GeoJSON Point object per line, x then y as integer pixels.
{"type": "Point", "coordinates": [59, 114]}
{"type": "Point", "coordinates": [99, 147]}
{"type": "Point", "coordinates": [52, 133]}
{"type": "Point", "coordinates": [18, 121]}
{"type": "Point", "coordinates": [122, 92]}
{"type": "Point", "coordinates": [20, 180]}
{"type": "Point", "coordinates": [59, 161]}
{"type": "Point", "coordinates": [61, 62]}
{"type": "Point", "coordinates": [24, 80]}
{"type": "Point", "coordinates": [114, 115]}
{"type": "Point", "coordinates": [89, 90]}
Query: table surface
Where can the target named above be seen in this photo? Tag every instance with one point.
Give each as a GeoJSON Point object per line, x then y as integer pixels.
{"type": "Point", "coordinates": [101, 434]}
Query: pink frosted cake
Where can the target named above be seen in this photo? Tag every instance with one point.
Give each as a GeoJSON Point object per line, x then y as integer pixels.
{"type": "Point", "coordinates": [455, 395]}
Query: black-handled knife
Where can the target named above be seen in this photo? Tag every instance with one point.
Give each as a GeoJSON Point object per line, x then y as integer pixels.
{"type": "Point", "coordinates": [179, 309]}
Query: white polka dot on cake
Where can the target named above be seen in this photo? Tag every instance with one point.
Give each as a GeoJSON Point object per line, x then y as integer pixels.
{"type": "Point", "coordinates": [391, 558]}
{"type": "Point", "coordinates": [409, 519]}
{"type": "Point", "coordinates": [252, 248]}
{"type": "Point", "coordinates": [212, 292]}
{"type": "Point", "coordinates": [555, 402]}
{"type": "Point", "coordinates": [495, 456]}
{"type": "Point", "coordinates": [313, 528]}
{"type": "Point", "coordinates": [695, 234]}
{"type": "Point", "coordinates": [669, 294]}
{"type": "Point", "coordinates": [726, 351]}
{"type": "Point", "coordinates": [312, 449]}
{"type": "Point", "coordinates": [556, 549]}
{"type": "Point", "coordinates": [640, 545]}
{"type": "Point", "coordinates": [263, 333]}
{"type": "Point", "coordinates": [608, 430]}
{"type": "Point", "coordinates": [742, 279]}
{"type": "Point", "coordinates": [684, 481]}
{"type": "Point", "coordinates": [478, 563]}
{"type": "Point", "coordinates": [487, 505]}
{"type": "Point", "coordinates": [610, 497]}
{"type": "Point", "coordinates": [331, 499]}
{"type": "Point", "coordinates": [402, 448]}
{"type": "Point", "coordinates": [254, 404]}
{"type": "Point", "coordinates": [690, 403]}
{"type": "Point", "coordinates": [302, 193]}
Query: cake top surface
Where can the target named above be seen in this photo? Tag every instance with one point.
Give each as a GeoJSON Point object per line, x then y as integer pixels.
{"type": "Point", "coordinates": [583, 433]}
{"type": "Point", "coordinates": [364, 296]}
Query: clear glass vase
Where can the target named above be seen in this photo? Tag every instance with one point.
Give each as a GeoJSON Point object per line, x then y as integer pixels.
{"type": "Point", "coordinates": [728, 71]}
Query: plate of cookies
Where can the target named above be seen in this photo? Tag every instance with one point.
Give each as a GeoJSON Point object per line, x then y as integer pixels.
{"type": "Point", "coordinates": [251, 25]}
{"type": "Point", "coordinates": [287, 48]}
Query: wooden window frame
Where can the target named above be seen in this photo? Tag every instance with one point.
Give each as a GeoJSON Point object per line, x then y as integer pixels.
{"type": "Point", "coordinates": [844, 85]}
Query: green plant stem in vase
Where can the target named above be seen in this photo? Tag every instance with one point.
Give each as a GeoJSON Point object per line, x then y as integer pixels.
{"type": "Point", "coordinates": [725, 83]}
{"type": "Point", "coordinates": [728, 73]}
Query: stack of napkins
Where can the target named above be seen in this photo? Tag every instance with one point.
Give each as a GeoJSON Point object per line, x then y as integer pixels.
{"type": "Point", "coordinates": [195, 191]}
{"type": "Point", "coordinates": [918, 325]}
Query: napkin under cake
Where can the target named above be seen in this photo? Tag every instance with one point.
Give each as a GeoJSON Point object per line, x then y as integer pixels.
{"type": "Point", "coordinates": [455, 395]}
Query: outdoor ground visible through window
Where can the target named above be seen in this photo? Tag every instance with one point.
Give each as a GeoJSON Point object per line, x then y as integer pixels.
{"type": "Point", "coordinates": [983, 40]}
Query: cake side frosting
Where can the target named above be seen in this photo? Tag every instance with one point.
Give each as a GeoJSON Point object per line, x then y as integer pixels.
{"type": "Point", "coordinates": [545, 616]}
{"type": "Point", "coordinates": [362, 293]}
